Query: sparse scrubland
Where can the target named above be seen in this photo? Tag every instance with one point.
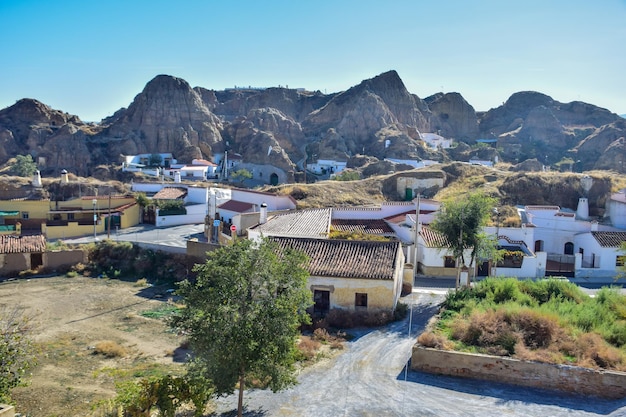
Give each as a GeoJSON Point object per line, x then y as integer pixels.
{"type": "Point", "coordinates": [548, 320]}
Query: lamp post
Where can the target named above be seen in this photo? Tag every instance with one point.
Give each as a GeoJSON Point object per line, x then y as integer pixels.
{"type": "Point", "coordinates": [95, 218]}
{"type": "Point", "coordinates": [497, 213]}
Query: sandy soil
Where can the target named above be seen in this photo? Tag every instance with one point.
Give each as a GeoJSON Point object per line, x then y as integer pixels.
{"type": "Point", "coordinates": [72, 315]}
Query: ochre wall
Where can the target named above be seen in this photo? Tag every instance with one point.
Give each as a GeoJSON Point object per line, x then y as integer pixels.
{"type": "Point", "coordinates": [60, 259]}
{"type": "Point", "coordinates": [380, 293]}
{"type": "Point", "coordinates": [12, 263]}
{"type": "Point", "coordinates": [571, 379]}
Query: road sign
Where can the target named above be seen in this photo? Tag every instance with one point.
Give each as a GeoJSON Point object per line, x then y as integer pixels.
{"type": "Point", "coordinates": [216, 223]}
{"type": "Point", "coordinates": [233, 228]}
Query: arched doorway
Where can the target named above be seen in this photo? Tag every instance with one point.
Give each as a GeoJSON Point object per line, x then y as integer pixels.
{"type": "Point", "coordinates": [274, 179]}
{"type": "Point", "coordinates": [568, 249]}
{"type": "Point", "coordinates": [538, 245]}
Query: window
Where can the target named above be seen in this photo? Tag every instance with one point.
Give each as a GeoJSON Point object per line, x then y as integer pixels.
{"type": "Point", "coordinates": [25, 215]}
{"type": "Point", "coordinates": [70, 216]}
{"type": "Point", "coordinates": [360, 300]}
{"type": "Point", "coordinates": [619, 260]}
{"type": "Point", "coordinates": [449, 262]}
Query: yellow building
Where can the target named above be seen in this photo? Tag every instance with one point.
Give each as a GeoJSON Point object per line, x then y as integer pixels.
{"type": "Point", "coordinates": [77, 217]}
{"type": "Point", "coordinates": [351, 274]}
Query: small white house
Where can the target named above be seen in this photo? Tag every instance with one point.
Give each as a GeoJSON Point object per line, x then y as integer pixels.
{"type": "Point", "coordinates": [436, 141]}
{"type": "Point", "coordinates": [599, 255]}
{"type": "Point", "coordinates": [327, 167]}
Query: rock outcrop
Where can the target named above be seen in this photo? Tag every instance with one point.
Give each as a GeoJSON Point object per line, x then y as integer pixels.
{"type": "Point", "coordinates": [377, 118]}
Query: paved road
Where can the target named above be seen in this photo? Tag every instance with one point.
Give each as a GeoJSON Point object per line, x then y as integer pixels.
{"type": "Point", "coordinates": [371, 379]}
{"type": "Point", "coordinates": [175, 236]}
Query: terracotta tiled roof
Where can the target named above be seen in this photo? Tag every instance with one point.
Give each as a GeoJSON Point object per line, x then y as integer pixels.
{"type": "Point", "coordinates": [236, 206]}
{"type": "Point", "coordinates": [22, 244]}
{"type": "Point", "coordinates": [368, 226]}
{"type": "Point", "coordinates": [346, 258]}
{"type": "Point", "coordinates": [170, 193]}
{"type": "Point", "coordinates": [433, 239]}
{"type": "Point", "coordinates": [609, 239]}
{"type": "Point", "coordinates": [314, 223]}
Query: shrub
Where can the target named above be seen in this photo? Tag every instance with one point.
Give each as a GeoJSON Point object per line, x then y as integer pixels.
{"type": "Point", "coordinates": [308, 347]}
{"type": "Point", "coordinates": [431, 340]}
{"type": "Point", "coordinates": [109, 349]}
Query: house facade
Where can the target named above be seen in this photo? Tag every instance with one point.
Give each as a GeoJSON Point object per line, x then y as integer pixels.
{"type": "Point", "coordinates": [71, 218]}
{"type": "Point", "coordinates": [351, 275]}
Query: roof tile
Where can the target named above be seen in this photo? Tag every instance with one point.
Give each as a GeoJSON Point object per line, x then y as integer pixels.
{"type": "Point", "coordinates": [346, 258]}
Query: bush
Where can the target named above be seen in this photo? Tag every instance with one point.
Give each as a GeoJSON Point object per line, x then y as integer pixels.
{"type": "Point", "coordinates": [109, 349]}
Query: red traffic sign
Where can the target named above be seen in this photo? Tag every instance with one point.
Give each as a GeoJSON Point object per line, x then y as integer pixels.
{"type": "Point", "coordinates": [233, 228]}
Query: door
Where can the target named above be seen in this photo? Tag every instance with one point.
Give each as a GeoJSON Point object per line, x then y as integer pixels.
{"type": "Point", "coordinates": [322, 302]}
{"type": "Point", "coordinates": [408, 194]}
{"type": "Point", "coordinates": [483, 269]}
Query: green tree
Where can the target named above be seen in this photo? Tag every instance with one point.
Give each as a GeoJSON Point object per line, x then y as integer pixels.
{"type": "Point", "coordinates": [461, 221]}
{"type": "Point", "coordinates": [24, 166]}
{"type": "Point", "coordinates": [241, 175]}
{"type": "Point", "coordinates": [16, 350]}
{"type": "Point", "coordinates": [242, 315]}
{"type": "Point", "coordinates": [155, 160]}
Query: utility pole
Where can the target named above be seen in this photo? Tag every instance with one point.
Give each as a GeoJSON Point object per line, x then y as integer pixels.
{"type": "Point", "coordinates": [416, 234]}
{"type": "Point", "coordinates": [109, 218]}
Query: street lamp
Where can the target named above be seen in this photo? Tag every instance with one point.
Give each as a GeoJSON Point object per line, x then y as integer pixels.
{"type": "Point", "coordinates": [95, 218]}
{"type": "Point", "coordinates": [497, 213]}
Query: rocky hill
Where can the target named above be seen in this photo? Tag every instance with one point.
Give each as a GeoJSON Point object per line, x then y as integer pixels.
{"type": "Point", "coordinates": [377, 118]}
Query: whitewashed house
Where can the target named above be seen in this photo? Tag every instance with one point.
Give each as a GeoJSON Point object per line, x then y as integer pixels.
{"type": "Point", "coordinates": [435, 141]}
{"type": "Point", "coordinates": [599, 255]}
{"type": "Point", "coordinates": [327, 167]}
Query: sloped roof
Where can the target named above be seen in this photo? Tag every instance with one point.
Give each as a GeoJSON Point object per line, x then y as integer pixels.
{"type": "Point", "coordinates": [346, 258]}
{"type": "Point", "coordinates": [170, 193]}
{"type": "Point", "coordinates": [22, 244]}
{"type": "Point", "coordinates": [313, 223]}
{"type": "Point", "coordinates": [433, 239]}
{"type": "Point", "coordinates": [366, 226]}
{"type": "Point", "coordinates": [236, 206]}
{"type": "Point", "coordinates": [609, 239]}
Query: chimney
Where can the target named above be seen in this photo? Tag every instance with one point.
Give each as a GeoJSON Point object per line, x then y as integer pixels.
{"type": "Point", "coordinates": [64, 178]}
{"type": "Point", "coordinates": [37, 179]}
{"type": "Point", "coordinates": [177, 177]}
{"type": "Point", "coordinates": [263, 214]}
{"type": "Point", "coordinates": [582, 212]}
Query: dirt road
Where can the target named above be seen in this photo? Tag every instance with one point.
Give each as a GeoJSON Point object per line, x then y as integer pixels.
{"type": "Point", "coordinates": [371, 379]}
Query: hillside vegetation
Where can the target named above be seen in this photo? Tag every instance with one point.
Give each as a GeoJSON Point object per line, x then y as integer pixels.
{"type": "Point", "coordinates": [548, 320]}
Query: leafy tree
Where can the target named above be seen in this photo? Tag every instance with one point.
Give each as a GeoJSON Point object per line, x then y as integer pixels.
{"type": "Point", "coordinates": [242, 315]}
{"type": "Point", "coordinates": [155, 160]}
{"type": "Point", "coordinates": [24, 166]}
{"type": "Point", "coordinates": [16, 350]}
{"type": "Point", "coordinates": [347, 176]}
{"type": "Point", "coordinates": [461, 221]}
{"type": "Point", "coordinates": [241, 175]}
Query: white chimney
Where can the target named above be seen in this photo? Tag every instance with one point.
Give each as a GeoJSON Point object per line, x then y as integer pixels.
{"type": "Point", "coordinates": [594, 226]}
{"type": "Point", "coordinates": [64, 177]}
{"type": "Point", "coordinates": [263, 214]}
{"type": "Point", "coordinates": [37, 179]}
{"type": "Point", "coordinates": [582, 212]}
{"type": "Point", "coordinates": [177, 177]}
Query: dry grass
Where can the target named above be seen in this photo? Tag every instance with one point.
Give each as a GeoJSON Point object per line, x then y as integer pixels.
{"type": "Point", "coordinates": [109, 349]}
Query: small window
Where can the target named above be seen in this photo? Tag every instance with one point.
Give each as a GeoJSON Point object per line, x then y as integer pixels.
{"type": "Point", "coordinates": [449, 262]}
{"type": "Point", "coordinates": [360, 300]}
{"type": "Point", "coordinates": [70, 216]}
{"type": "Point", "coordinates": [25, 215]}
{"type": "Point", "coordinates": [619, 260]}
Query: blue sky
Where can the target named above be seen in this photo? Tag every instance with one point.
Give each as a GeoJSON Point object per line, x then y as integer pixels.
{"type": "Point", "coordinates": [90, 58]}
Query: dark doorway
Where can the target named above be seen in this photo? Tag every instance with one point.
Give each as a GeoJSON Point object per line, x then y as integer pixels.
{"type": "Point", "coordinates": [149, 215]}
{"type": "Point", "coordinates": [408, 194]}
{"type": "Point", "coordinates": [568, 249]}
{"type": "Point", "coordinates": [274, 179]}
{"type": "Point", "coordinates": [483, 269]}
{"type": "Point", "coordinates": [322, 302]}
{"type": "Point", "coordinates": [538, 245]}
{"type": "Point", "coordinates": [36, 260]}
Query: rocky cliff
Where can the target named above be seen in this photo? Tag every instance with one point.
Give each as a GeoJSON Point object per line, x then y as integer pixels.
{"type": "Point", "coordinates": [279, 126]}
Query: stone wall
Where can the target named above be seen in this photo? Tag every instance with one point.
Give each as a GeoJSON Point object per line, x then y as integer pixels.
{"type": "Point", "coordinates": [572, 379]}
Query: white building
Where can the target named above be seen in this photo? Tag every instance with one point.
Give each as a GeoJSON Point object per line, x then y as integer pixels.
{"type": "Point", "coordinates": [326, 167]}
{"type": "Point", "coordinates": [436, 141]}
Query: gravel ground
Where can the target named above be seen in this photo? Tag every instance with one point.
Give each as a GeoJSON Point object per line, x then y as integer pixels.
{"type": "Point", "coordinates": [371, 379]}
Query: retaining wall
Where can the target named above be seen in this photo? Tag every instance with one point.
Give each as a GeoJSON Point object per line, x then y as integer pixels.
{"type": "Point", "coordinates": [573, 379]}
